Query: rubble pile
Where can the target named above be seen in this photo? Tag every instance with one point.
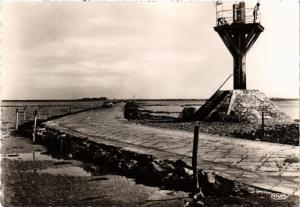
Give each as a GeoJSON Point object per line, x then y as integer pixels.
{"type": "Point", "coordinates": [279, 133]}
{"type": "Point", "coordinates": [240, 106]}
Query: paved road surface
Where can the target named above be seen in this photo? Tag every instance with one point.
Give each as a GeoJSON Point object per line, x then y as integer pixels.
{"type": "Point", "coordinates": [259, 164]}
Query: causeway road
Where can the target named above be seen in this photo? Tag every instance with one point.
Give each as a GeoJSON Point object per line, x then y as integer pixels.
{"type": "Point", "coordinates": [259, 164]}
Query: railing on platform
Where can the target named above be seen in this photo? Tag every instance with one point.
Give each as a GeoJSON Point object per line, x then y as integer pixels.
{"type": "Point", "coordinates": [237, 15]}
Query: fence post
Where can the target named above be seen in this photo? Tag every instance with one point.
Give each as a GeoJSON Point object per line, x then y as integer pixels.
{"type": "Point", "coordinates": [24, 114]}
{"type": "Point", "coordinates": [17, 121]}
{"type": "Point", "coordinates": [194, 158]}
{"type": "Point", "coordinates": [34, 126]}
{"type": "Point", "coordinates": [61, 146]}
{"type": "Point", "coordinates": [33, 156]}
{"type": "Point", "coordinates": [262, 124]}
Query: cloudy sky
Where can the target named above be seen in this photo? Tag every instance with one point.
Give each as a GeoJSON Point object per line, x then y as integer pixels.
{"type": "Point", "coordinates": [152, 50]}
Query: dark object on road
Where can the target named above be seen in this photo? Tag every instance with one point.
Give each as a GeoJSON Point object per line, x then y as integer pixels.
{"type": "Point", "coordinates": [108, 104]}
{"type": "Point", "coordinates": [187, 113]}
{"type": "Point", "coordinates": [292, 160]}
{"type": "Point", "coordinates": [131, 110]}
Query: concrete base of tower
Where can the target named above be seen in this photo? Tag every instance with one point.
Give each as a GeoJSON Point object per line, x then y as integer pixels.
{"type": "Point", "coordinates": [244, 106]}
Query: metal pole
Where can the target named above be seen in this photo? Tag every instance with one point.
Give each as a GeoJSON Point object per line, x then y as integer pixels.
{"type": "Point", "coordinates": [224, 82]}
{"type": "Point", "coordinates": [239, 63]}
{"type": "Point", "coordinates": [17, 121]}
{"type": "Point", "coordinates": [194, 158]}
{"type": "Point", "coordinates": [222, 12]}
{"type": "Point", "coordinates": [216, 13]}
{"type": "Point", "coordinates": [34, 126]}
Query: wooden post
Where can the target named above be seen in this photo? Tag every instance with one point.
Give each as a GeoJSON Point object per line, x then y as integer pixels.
{"type": "Point", "coordinates": [34, 126]}
{"type": "Point", "coordinates": [71, 148]}
{"type": "Point", "coordinates": [61, 146]}
{"type": "Point", "coordinates": [33, 156]}
{"type": "Point", "coordinates": [17, 121]}
{"type": "Point", "coordinates": [194, 158]}
{"type": "Point", "coordinates": [24, 114]}
{"type": "Point", "coordinates": [262, 124]}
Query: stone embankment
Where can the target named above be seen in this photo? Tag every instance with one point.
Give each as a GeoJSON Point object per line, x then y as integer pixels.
{"type": "Point", "coordinates": [147, 169]}
{"type": "Point", "coordinates": [159, 157]}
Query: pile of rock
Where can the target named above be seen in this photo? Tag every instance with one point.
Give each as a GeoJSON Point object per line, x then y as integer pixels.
{"type": "Point", "coordinates": [145, 168]}
{"type": "Point", "coordinates": [279, 133]}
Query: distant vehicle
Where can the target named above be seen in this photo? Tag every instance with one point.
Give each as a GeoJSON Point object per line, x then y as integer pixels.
{"type": "Point", "coordinates": [108, 104]}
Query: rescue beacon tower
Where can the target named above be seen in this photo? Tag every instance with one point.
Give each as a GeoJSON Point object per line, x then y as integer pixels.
{"type": "Point", "coordinates": [239, 28]}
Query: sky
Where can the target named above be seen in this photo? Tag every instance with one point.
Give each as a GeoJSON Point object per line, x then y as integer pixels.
{"type": "Point", "coordinates": [147, 50]}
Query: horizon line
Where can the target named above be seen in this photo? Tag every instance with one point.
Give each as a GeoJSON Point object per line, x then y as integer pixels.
{"type": "Point", "coordinates": [99, 99]}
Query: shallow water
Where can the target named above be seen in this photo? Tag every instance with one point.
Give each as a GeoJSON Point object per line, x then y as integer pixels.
{"type": "Point", "coordinates": [29, 156]}
{"type": "Point", "coordinates": [31, 177]}
{"type": "Point", "coordinates": [59, 167]}
{"type": "Point", "coordinates": [44, 109]}
{"type": "Point", "coordinates": [68, 171]}
{"type": "Point", "coordinates": [289, 107]}
{"type": "Point", "coordinates": [173, 108]}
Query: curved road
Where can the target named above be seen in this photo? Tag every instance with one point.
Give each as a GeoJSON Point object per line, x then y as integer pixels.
{"type": "Point", "coordinates": [255, 163]}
